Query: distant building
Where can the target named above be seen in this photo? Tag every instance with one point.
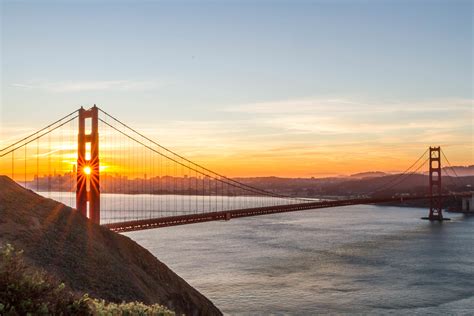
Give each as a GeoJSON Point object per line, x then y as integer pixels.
{"type": "Point", "coordinates": [468, 204]}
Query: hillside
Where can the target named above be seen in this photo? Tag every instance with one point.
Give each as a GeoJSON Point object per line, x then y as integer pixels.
{"type": "Point", "coordinates": [347, 186]}
{"type": "Point", "coordinates": [461, 171]}
{"type": "Point", "coordinates": [88, 257]}
{"type": "Point", "coordinates": [369, 174]}
{"type": "Point", "coordinates": [392, 184]}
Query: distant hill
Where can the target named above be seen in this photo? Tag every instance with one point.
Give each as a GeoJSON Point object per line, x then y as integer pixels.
{"type": "Point", "coordinates": [90, 258]}
{"type": "Point", "coordinates": [461, 171]}
{"type": "Point", "coordinates": [395, 184]}
{"type": "Point", "coordinates": [386, 184]}
{"type": "Point", "coordinates": [369, 174]}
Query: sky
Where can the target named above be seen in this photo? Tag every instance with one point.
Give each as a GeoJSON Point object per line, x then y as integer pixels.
{"type": "Point", "coordinates": [251, 88]}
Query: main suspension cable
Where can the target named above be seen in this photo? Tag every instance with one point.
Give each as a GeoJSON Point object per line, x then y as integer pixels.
{"type": "Point", "coordinates": [240, 184]}
{"type": "Point", "coordinates": [452, 169]}
{"type": "Point", "coordinates": [38, 137]}
{"type": "Point", "coordinates": [39, 131]}
{"type": "Point", "coordinates": [193, 169]}
{"type": "Point", "coordinates": [399, 176]}
{"type": "Point", "coordinates": [200, 166]}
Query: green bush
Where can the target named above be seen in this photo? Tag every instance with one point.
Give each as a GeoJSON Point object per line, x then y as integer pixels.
{"type": "Point", "coordinates": [101, 307]}
{"type": "Point", "coordinates": [26, 291]}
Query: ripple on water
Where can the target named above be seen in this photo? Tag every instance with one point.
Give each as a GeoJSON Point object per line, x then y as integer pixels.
{"type": "Point", "coordinates": [358, 260]}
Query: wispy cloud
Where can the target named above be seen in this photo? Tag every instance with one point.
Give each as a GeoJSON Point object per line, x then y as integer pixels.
{"type": "Point", "coordinates": [100, 85]}
{"type": "Point", "coordinates": [332, 124]}
{"type": "Point", "coordinates": [343, 116]}
{"type": "Point", "coordinates": [314, 106]}
{"type": "Point", "coordinates": [368, 132]}
{"type": "Point", "coordinates": [21, 85]}
{"type": "Point", "coordinates": [307, 105]}
{"type": "Point", "coordinates": [310, 137]}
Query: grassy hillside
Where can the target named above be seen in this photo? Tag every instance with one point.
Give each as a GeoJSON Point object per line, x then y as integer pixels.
{"type": "Point", "coordinates": [90, 258]}
{"type": "Point", "coordinates": [25, 290]}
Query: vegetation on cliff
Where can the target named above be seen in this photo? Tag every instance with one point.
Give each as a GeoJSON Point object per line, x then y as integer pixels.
{"type": "Point", "coordinates": [26, 290]}
{"type": "Point", "coordinates": [89, 258]}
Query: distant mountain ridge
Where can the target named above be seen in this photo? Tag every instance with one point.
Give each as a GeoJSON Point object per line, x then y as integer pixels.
{"type": "Point", "coordinates": [461, 171]}
{"type": "Point", "coordinates": [360, 184]}
{"type": "Point", "coordinates": [368, 174]}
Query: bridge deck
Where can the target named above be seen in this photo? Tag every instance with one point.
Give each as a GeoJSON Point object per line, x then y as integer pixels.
{"type": "Point", "coordinates": [227, 215]}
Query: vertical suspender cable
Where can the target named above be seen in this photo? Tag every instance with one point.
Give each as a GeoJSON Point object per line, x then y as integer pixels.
{"type": "Point", "coordinates": [37, 165]}
{"type": "Point", "coordinates": [25, 167]}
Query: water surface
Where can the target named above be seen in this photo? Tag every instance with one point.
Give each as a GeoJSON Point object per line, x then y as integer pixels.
{"type": "Point", "coordinates": [347, 260]}
{"type": "Point", "coordinates": [358, 259]}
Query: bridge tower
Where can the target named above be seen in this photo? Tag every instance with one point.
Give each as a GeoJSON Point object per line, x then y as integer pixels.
{"type": "Point", "coordinates": [436, 212]}
{"type": "Point", "coordinates": [87, 171]}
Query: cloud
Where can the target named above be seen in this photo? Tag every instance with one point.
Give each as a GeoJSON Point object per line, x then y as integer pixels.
{"type": "Point", "coordinates": [294, 106]}
{"type": "Point", "coordinates": [348, 117]}
{"type": "Point", "coordinates": [332, 125]}
{"type": "Point", "coordinates": [82, 86]}
{"type": "Point", "coordinates": [310, 136]}
{"type": "Point", "coordinates": [20, 85]}
{"type": "Point", "coordinates": [314, 106]}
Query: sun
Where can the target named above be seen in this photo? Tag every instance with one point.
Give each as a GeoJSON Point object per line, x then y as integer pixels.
{"type": "Point", "coordinates": [87, 170]}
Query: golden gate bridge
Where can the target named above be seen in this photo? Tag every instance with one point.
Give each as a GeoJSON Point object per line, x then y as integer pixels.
{"type": "Point", "coordinates": [124, 180]}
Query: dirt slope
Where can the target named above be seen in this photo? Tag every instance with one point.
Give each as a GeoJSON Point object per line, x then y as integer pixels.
{"type": "Point", "coordinates": [88, 257]}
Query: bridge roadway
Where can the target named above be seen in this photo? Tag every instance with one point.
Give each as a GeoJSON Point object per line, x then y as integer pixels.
{"type": "Point", "coordinates": [227, 215]}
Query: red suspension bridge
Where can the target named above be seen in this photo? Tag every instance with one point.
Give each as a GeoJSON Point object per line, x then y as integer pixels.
{"type": "Point", "coordinates": [124, 180]}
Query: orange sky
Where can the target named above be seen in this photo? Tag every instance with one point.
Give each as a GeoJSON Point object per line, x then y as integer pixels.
{"type": "Point", "coordinates": [299, 160]}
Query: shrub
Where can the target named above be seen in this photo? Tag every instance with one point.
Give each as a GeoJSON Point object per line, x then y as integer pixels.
{"type": "Point", "coordinates": [101, 307]}
{"type": "Point", "coordinates": [27, 291]}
